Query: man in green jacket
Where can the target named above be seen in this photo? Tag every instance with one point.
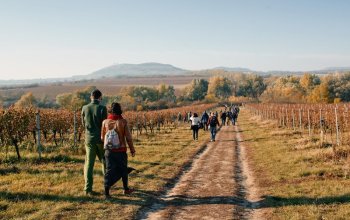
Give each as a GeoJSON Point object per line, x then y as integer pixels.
{"type": "Point", "coordinates": [92, 116]}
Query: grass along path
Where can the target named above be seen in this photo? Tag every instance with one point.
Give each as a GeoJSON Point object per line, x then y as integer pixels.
{"type": "Point", "coordinates": [53, 187]}
{"type": "Point", "coordinates": [297, 179]}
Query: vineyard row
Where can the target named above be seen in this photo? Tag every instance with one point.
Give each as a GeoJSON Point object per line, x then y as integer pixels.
{"type": "Point", "coordinates": [330, 121]}
{"type": "Point", "coordinates": [59, 126]}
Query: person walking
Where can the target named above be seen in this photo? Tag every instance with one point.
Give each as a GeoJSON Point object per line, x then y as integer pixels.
{"type": "Point", "coordinates": [195, 125]}
{"type": "Point", "coordinates": [213, 122]}
{"type": "Point", "coordinates": [189, 115]}
{"type": "Point", "coordinates": [92, 116]}
{"type": "Point", "coordinates": [234, 117]}
{"type": "Point", "coordinates": [223, 118]}
{"type": "Point", "coordinates": [237, 112]}
{"type": "Point", "coordinates": [116, 135]}
{"type": "Point", "coordinates": [204, 120]}
{"type": "Point", "coordinates": [185, 117]}
{"type": "Point", "coordinates": [179, 117]}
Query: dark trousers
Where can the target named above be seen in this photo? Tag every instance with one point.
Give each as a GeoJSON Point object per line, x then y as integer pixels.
{"type": "Point", "coordinates": [195, 129]}
{"type": "Point", "coordinates": [212, 133]}
{"type": "Point", "coordinates": [234, 120]}
{"type": "Point", "coordinates": [223, 121]}
{"type": "Point", "coordinates": [116, 168]}
{"type": "Point", "coordinates": [205, 126]}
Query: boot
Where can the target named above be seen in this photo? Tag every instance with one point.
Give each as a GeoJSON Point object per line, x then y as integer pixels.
{"type": "Point", "coordinates": [107, 196]}
{"type": "Point", "coordinates": [130, 169]}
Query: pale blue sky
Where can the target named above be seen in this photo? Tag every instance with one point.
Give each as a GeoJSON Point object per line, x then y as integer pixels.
{"type": "Point", "coordinates": [57, 38]}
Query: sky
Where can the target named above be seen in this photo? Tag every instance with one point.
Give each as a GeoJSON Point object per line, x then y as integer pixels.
{"type": "Point", "coordinates": [61, 38]}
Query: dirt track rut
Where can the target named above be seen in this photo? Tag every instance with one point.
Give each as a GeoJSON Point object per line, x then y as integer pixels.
{"type": "Point", "coordinates": [213, 188]}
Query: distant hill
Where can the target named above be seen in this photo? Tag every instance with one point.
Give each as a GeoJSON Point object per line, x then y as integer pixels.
{"type": "Point", "coordinates": [156, 69]}
{"type": "Point", "coordinates": [144, 69]}
{"type": "Point", "coordinates": [284, 72]}
{"type": "Point", "coordinates": [233, 69]}
{"type": "Point", "coordinates": [335, 69]}
{"type": "Point", "coordinates": [321, 71]}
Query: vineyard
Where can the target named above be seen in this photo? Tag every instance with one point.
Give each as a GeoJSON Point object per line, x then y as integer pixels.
{"type": "Point", "coordinates": [40, 127]}
{"type": "Point", "coordinates": [51, 187]}
{"type": "Point", "coordinates": [329, 122]}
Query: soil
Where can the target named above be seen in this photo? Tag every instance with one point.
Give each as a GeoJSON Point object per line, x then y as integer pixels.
{"type": "Point", "coordinates": [218, 185]}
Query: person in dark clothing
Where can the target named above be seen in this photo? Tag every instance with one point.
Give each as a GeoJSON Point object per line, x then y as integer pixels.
{"type": "Point", "coordinates": [229, 116]}
{"type": "Point", "coordinates": [116, 156]}
{"type": "Point", "coordinates": [237, 112]}
{"type": "Point", "coordinates": [233, 117]}
{"type": "Point", "coordinates": [92, 116]}
{"type": "Point", "coordinates": [179, 117]}
{"type": "Point", "coordinates": [204, 120]}
{"type": "Point", "coordinates": [223, 118]}
{"type": "Point", "coordinates": [213, 122]}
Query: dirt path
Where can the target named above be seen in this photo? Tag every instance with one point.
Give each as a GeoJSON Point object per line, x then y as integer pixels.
{"type": "Point", "coordinates": [215, 186]}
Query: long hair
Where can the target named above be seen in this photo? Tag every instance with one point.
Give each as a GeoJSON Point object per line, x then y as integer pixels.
{"type": "Point", "coordinates": [116, 108]}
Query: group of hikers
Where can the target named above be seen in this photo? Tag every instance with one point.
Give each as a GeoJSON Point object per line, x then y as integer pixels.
{"type": "Point", "coordinates": [210, 121]}
{"type": "Point", "coordinates": [107, 136]}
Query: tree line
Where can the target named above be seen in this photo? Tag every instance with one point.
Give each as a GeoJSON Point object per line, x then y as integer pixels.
{"type": "Point", "coordinates": [224, 86]}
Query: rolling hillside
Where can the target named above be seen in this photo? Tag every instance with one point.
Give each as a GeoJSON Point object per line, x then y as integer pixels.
{"type": "Point", "coordinates": [144, 69]}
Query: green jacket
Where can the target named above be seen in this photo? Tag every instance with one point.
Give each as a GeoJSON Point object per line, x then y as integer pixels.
{"type": "Point", "coordinates": [92, 116]}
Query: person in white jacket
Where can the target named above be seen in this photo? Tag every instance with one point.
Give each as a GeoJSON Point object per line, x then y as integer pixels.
{"type": "Point", "coordinates": [195, 120]}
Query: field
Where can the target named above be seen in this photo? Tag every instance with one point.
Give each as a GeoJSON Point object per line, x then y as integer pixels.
{"type": "Point", "coordinates": [110, 86]}
{"type": "Point", "coordinates": [297, 177]}
{"type": "Point", "coordinates": [293, 176]}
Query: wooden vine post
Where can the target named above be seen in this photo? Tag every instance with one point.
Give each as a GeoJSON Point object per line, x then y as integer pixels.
{"type": "Point", "coordinates": [321, 129]}
{"type": "Point", "coordinates": [309, 121]}
{"type": "Point", "coordinates": [293, 118]}
{"type": "Point", "coordinates": [337, 126]}
{"type": "Point", "coordinates": [75, 128]}
{"type": "Point", "coordinates": [38, 132]}
{"type": "Point", "coordinates": [300, 125]}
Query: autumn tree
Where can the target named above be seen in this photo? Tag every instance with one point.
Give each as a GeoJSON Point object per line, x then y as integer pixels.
{"type": "Point", "coordinates": [319, 94]}
{"type": "Point", "coordinates": [26, 100]}
{"type": "Point", "coordinates": [253, 86]}
{"type": "Point", "coordinates": [196, 90]}
{"type": "Point", "coordinates": [237, 79]}
{"type": "Point", "coordinates": [75, 100]}
{"type": "Point", "coordinates": [286, 89]}
{"type": "Point", "coordinates": [309, 81]}
{"type": "Point", "coordinates": [128, 102]}
{"type": "Point", "coordinates": [64, 100]}
{"type": "Point", "coordinates": [344, 88]}
{"type": "Point", "coordinates": [45, 102]}
{"type": "Point", "coordinates": [166, 93]}
{"type": "Point", "coordinates": [82, 97]}
{"type": "Point", "coordinates": [220, 87]}
{"type": "Point", "coordinates": [338, 86]}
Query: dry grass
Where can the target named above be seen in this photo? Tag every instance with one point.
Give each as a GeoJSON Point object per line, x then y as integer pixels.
{"type": "Point", "coordinates": [298, 178]}
{"type": "Point", "coordinates": [53, 187]}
